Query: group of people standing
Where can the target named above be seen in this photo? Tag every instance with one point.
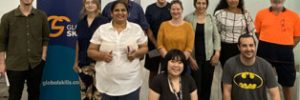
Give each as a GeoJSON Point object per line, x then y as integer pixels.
{"type": "Point", "coordinates": [181, 52]}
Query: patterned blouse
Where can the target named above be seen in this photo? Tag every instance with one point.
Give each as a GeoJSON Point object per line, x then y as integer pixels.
{"type": "Point", "coordinates": [232, 25]}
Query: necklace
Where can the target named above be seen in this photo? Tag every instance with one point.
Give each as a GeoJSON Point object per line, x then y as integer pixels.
{"type": "Point", "coordinates": [177, 95]}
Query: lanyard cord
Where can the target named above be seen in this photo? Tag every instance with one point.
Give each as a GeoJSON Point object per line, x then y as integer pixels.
{"type": "Point", "coordinates": [178, 97]}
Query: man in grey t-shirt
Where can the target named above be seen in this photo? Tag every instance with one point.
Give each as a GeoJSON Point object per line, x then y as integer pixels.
{"type": "Point", "coordinates": [248, 77]}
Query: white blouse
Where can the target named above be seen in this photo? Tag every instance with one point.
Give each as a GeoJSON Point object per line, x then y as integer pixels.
{"type": "Point", "coordinates": [120, 76]}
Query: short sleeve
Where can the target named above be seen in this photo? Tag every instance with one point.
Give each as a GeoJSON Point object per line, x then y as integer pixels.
{"type": "Point", "coordinates": [258, 22]}
{"type": "Point", "coordinates": [142, 38]}
{"type": "Point", "coordinates": [297, 27]}
{"type": "Point", "coordinates": [96, 38]}
{"type": "Point", "coordinates": [270, 76]}
{"type": "Point", "coordinates": [227, 73]}
{"type": "Point", "coordinates": [192, 84]}
{"type": "Point", "coordinates": [155, 85]}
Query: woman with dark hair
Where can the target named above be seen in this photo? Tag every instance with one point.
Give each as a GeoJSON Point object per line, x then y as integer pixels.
{"type": "Point", "coordinates": [90, 20]}
{"type": "Point", "coordinates": [232, 21]}
{"type": "Point", "coordinates": [207, 47]}
{"type": "Point", "coordinates": [117, 47]}
{"type": "Point", "coordinates": [173, 83]}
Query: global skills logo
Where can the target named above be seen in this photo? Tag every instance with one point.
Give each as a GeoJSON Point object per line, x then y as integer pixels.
{"type": "Point", "coordinates": [59, 24]}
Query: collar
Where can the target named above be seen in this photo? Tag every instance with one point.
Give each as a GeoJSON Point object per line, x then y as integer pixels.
{"type": "Point", "coordinates": [19, 13]}
{"type": "Point", "coordinates": [128, 25]}
{"type": "Point", "coordinates": [283, 10]}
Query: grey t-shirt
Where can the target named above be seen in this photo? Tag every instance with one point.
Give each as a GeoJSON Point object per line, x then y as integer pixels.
{"type": "Point", "coordinates": [249, 82]}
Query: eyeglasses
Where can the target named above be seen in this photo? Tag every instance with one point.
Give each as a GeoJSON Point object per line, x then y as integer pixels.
{"type": "Point", "coordinates": [283, 27]}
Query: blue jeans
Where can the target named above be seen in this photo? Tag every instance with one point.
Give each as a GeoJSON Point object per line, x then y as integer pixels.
{"type": "Point", "coordinates": [135, 95]}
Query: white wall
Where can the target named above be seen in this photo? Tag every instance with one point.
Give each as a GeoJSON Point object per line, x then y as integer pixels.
{"type": "Point", "coordinates": [8, 5]}
{"type": "Point", "coordinates": [251, 5]}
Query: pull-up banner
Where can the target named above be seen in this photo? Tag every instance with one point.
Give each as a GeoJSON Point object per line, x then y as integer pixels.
{"type": "Point", "coordinates": [59, 81]}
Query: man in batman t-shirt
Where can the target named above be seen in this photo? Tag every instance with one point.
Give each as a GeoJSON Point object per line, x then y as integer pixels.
{"type": "Point", "coordinates": [248, 77]}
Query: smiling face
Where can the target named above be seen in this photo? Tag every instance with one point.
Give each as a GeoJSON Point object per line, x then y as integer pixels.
{"type": "Point", "coordinates": [277, 4]}
{"type": "Point", "coordinates": [175, 67]}
{"type": "Point", "coordinates": [247, 48]}
{"type": "Point", "coordinates": [119, 13]}
{"type": "Point", "coordinates": [161, 1]}
{"type": "Point", "coordinates": [91, 6]}
{"type": "Point", "coordinates": [201, 6]}
{"type": "Point", "coordinates": [176, 10]}
{"type": "Point", "coordinates": [233, 3]}
{"type": "Point", "coordinates": [26, 2]}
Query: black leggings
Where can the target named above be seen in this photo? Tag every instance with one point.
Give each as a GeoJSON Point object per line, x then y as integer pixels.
{"type": "Point", "coordinates": [203, 78]}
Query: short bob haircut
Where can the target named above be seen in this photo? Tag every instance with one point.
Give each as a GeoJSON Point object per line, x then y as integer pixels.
{"type": "Point", "coordinates": [174, 54]}
{"type": "Point", "coordinates": [115, 3]}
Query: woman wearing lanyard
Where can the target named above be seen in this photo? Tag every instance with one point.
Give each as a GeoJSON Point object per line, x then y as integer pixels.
{"type": "Point", "coordinates": [174, 83]}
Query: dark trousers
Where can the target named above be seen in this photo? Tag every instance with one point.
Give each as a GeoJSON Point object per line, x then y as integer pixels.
{"type": "Point", "coordinates": [228, 50]}
{"type": "Point", "coordinates": [203, 78]}
{"type": "Point", "coordinates": [135, 95]}
{"type": "Point", "coordinates": [33, 80]}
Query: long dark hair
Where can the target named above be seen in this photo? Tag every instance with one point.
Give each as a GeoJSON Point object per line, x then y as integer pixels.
{"type": "Point", "coordinates": [223, 4]}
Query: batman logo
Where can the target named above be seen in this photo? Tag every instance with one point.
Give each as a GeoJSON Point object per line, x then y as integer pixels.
{"type": "Point", "coordinates": [248, 80]}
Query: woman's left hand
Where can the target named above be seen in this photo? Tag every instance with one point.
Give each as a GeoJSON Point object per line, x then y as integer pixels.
{"type": "Point", "coordinates": [131, 54]}
{"type": "Point", "coordinates": [215, 59]}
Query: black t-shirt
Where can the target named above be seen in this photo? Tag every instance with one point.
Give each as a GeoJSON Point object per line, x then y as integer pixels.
{"type": "Point", "coordinates": [155, 16]}
{"type": "Point", "coordinates": [161, 86]}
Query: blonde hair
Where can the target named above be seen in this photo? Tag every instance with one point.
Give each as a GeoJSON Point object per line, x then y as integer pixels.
{"type": "Point", "coordinates": [83, 10]}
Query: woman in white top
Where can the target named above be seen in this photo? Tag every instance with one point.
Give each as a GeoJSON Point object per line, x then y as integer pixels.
{"type": "Point", "coordinates": [117, 47]}
{"type": "Point", "coordinates": [232, 21]}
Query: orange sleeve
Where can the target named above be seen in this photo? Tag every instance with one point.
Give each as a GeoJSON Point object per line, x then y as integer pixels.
{"type": "Point", "coordinates": [257, 23]}
{"type": "Point", "coordinates": [160, 37]}
{"type": "Point", "coordinates": [297, 27]}
{"type": "Point", "coordinates": [190, 38]}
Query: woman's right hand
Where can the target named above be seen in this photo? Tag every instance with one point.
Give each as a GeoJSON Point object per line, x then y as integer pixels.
{"type": "Point", "coordinates": [76, 68]}
{"type": "Point", "coordinates": [194, 64]}
{"type": "Point", "coordinates": [107, 57]}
